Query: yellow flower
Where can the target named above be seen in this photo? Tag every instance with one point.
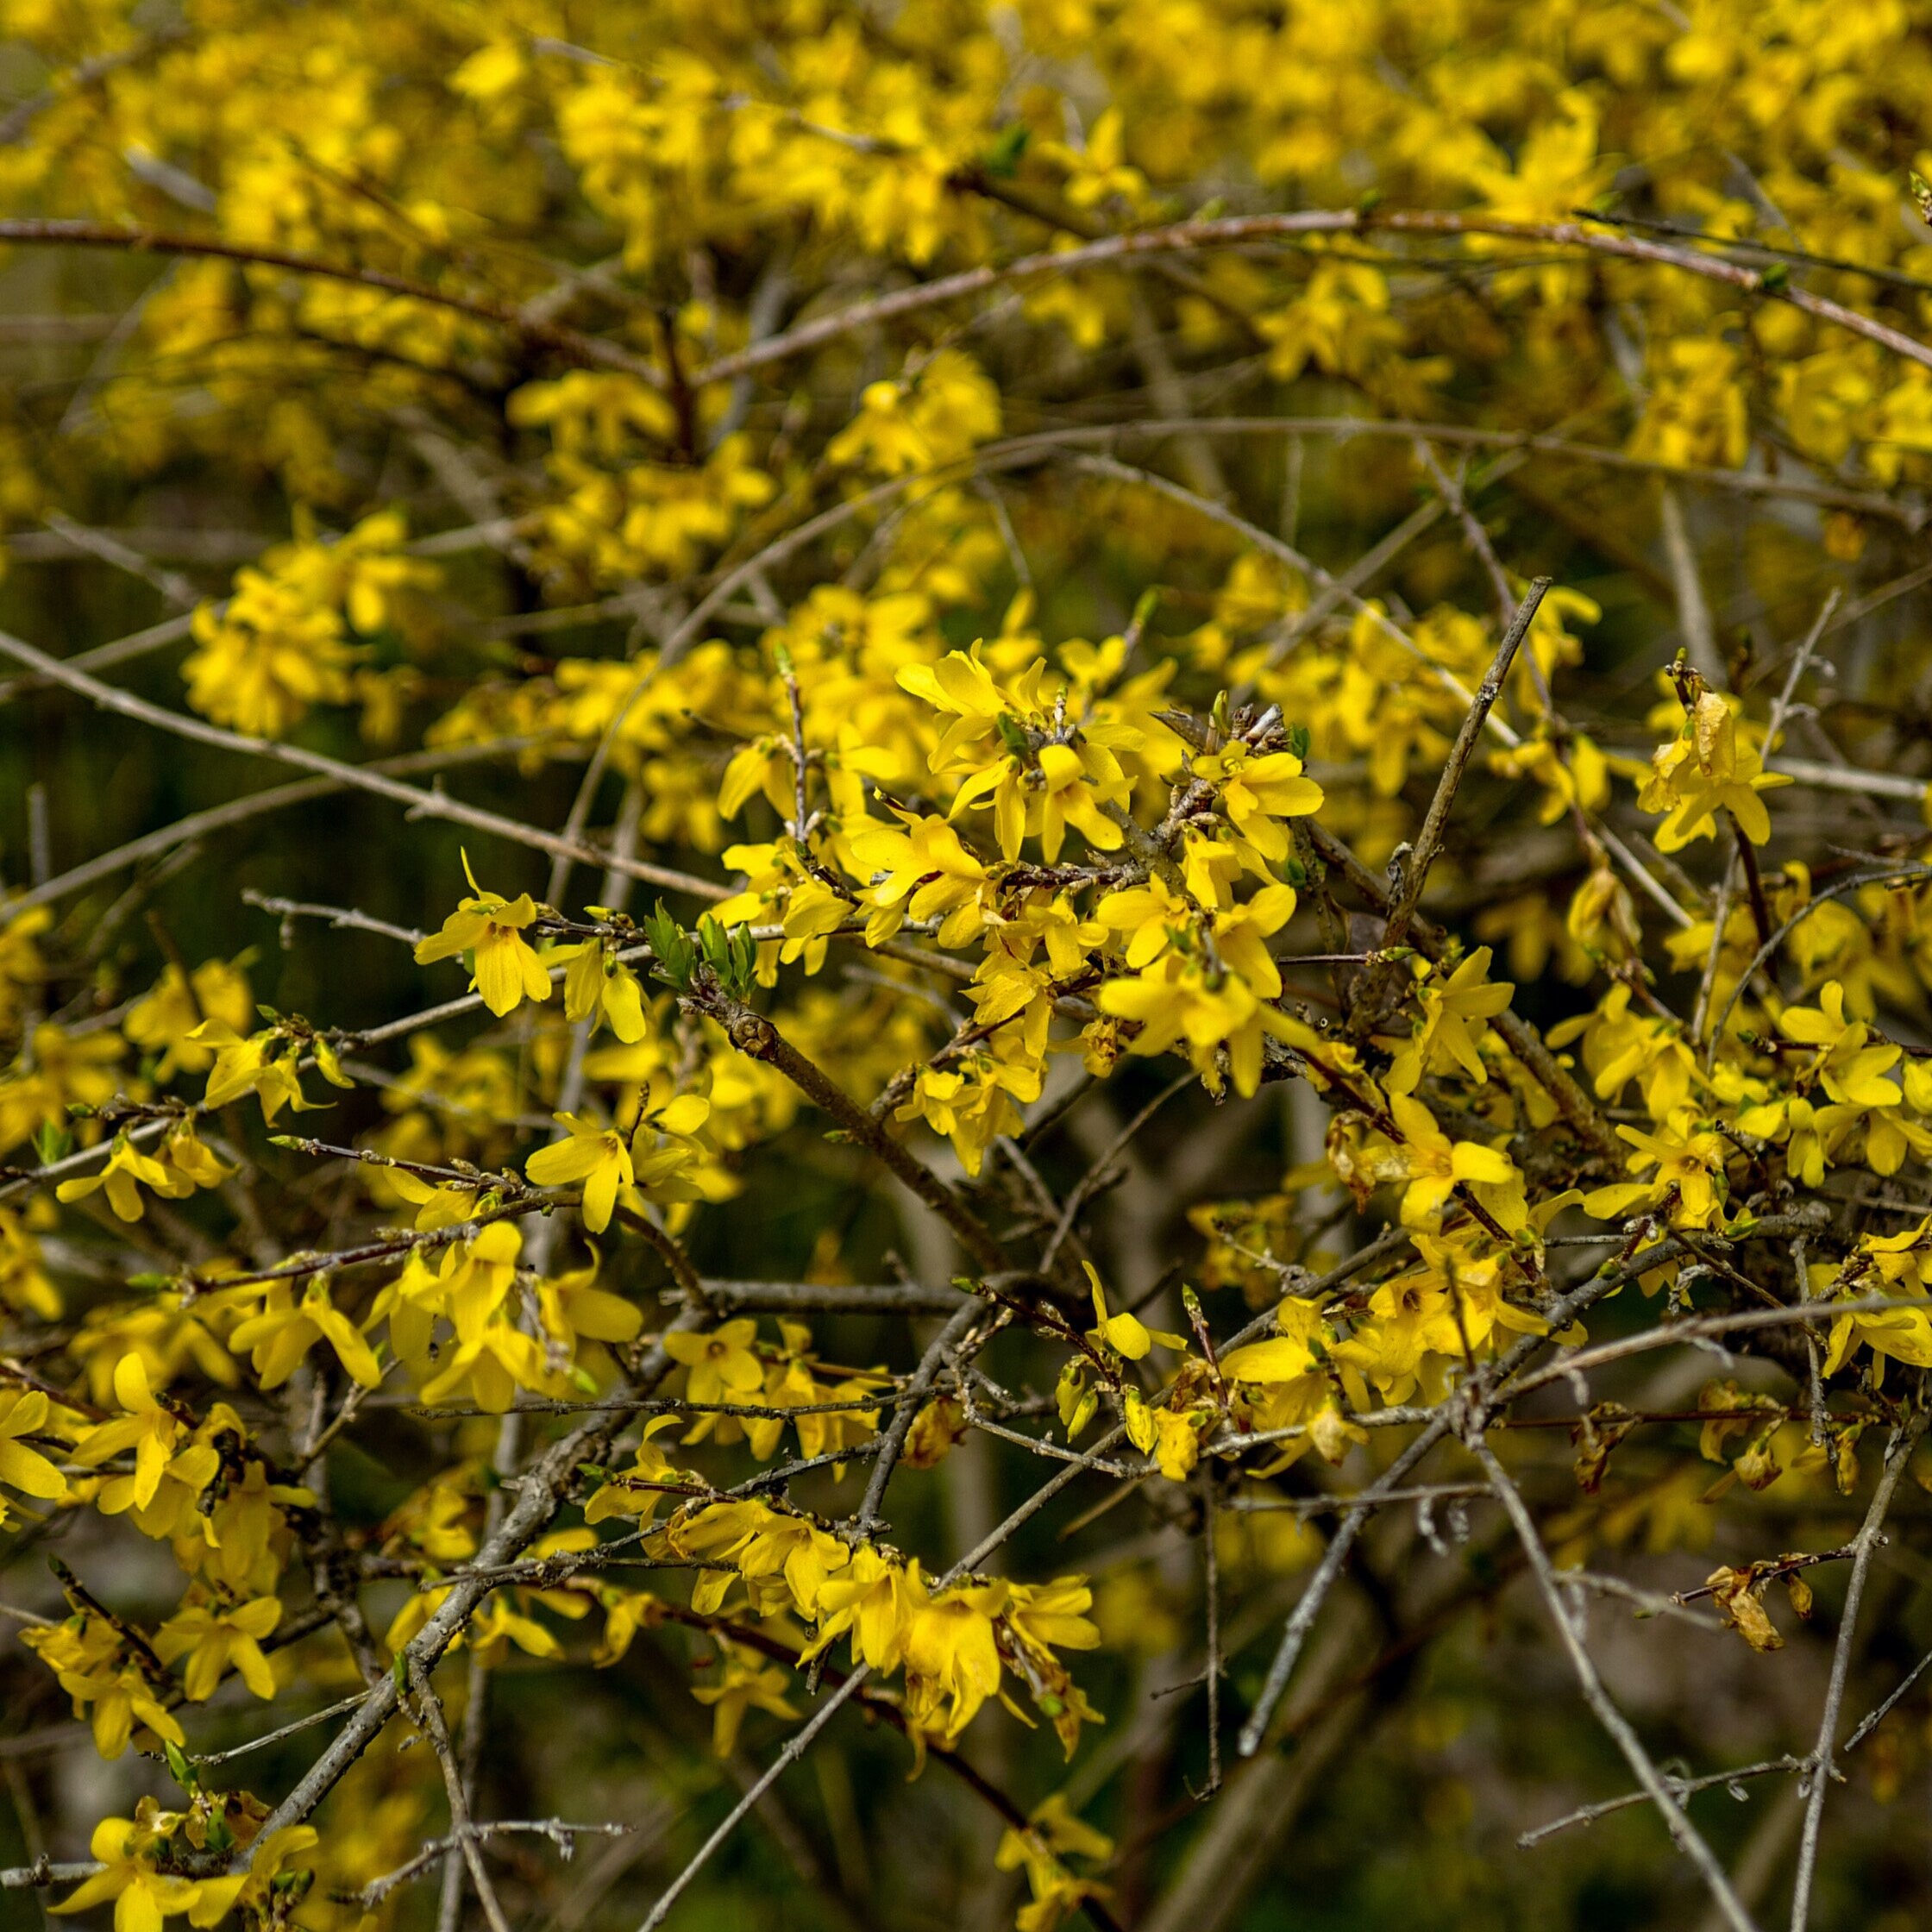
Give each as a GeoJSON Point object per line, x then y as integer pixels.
{"type": "Point", "coordinates": [1239, 932]}
{"type": "Point", "coordinates": [1423, 1320]}
{"type": "Point", "coordinates": [1125, 1334]}
{"type": "Point", "coordinates": [178, 1166]}
{"type": "Point", "coordinates": [1151, 915]}
{"type": "Point", "coordinates": [572, 1305]}
{"type": "Point", "coordinates": [654, 1157]}
{"type": "Point", "coordinates": [1177, 999]}
{"type": "Point", "coordinates": [950, 1652]}
{"type": "Point", "coordinates": [126, 1164]}
{"type": "Point", "coordinates": [20, 964]}
{"type": "Point", "coordinates": [1052, 1829]}
{"type": "Point", "coordinates": [636, 1491]}
{"type": "Point", "coordinates": [1849, 1068]}
{"type": "Point", "coordinates": [1282, 1358]}
{"type": "Point", "coordinates": [924, 872]}
{"type": "Point", "coordinates": [763, 1543]}
{"type": "Point", "coordinates": [598, 983]}
{"type": "Point", "coordinates": [1047, 792]}
{"type": "Point", "coordinates": [931, 417]}
{"type": "Point", "coordinates": [598, 1156]}
{"type": "Point", "coordinates": [1257, 791]}
{"type": "Point", "coordinates": [88, 1656]}
{"type": "Point", "coordinates": [261, 661]}
{"type": "Point", "coordinates": [584, 409]}
{"type": "Point", "coordinates": [747, 1683]}
{"type": "Point", "coordinates": [493, 1358]}
{"type": "Point", "coordinates": [972, 1102]}
{"type": "Point", "coordinates": [263, 1064]}
{"type": "Point", "coordinates": [1688, 1160]}
{"type": "Point", "coordinates": [1455, 1017]}
{"type": "Point", "coordinates": [163, 1021]}
{"type": "Point", "coordinates": [148, 1427]}
{"type": "Point", "coordinates": [1097, 171]}
{"type": "Point", "coordinates": [143, 1896]}
{"type": "Point", "coordinates": [1620, 1046]}
{"type": "Point", "coordinates": [1905, 1334]}
{"type": "Point", "coordinates": [1049, 1616]}
{"type": "Point", "coordinates": [1707, 769]}
{"type": "Point", "coordinates": [501, 1625]}
{"type": "Point", "coordinates": [59, 1071]}
{"type": "Point", "coordinates": [213, 1637]}
{"type": "Point", "coordinates": [271, 1853]}
{"type": "Point", "coordinates": [24, 1412]}
{"type": "Point", "coordinates": [867, 1598]}
{"type": "Point", "coordinates": [285, 1330]}
{"type": "Point", "coordinates": [1177, 1441]}
{"type": "Point", "coordinates": [505, 971]}
{"type": "Point", "coordinates": [24, 1286]}
{"type": "Point", "coordinates": [439, 1205]}
{"type": "Point", "coordinates": [723, 1367]}
{"type": "Point", "coordinates": [1436, 1167]}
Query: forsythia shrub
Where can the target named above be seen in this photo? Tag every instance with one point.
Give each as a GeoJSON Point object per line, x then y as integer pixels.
{"type": "Point", "coordinates": [1099, 895]}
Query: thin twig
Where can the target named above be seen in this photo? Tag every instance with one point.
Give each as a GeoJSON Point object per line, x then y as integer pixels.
{"type": "Point", "coordinates": [365, 778]}
{"type": "Point", "coordinates": [1428, 841]}
{"type": "Point", "coordinates": [1688, 1839]}
{"type": "Point", "coordinates": [587, 350]}
{"type": "Point", "coordinates": [1191, 238]}
{"type": "Point", "coordinates": [906, 1411]}
{"type": "Point", "coordinates": [1683, 1787]}
{"type": "Point", "coordinates": [755, 1036]}
{"type": "Point", "coordinates": [1898, 1454]}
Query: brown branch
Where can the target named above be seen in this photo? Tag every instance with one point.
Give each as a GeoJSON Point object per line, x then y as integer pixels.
{"type": "Point", "coordinates": [461, 1828]}
{"type": "Point", "coordinates": [587, 350]}
{"type": "Point", "coordinates": [366, 778]}
{"type": "Point", "coordinates": [1191, 238]}
{"type": "Point", "coordinates": [905, 1412]}
{"type": "Point", "coordinates": [1754, 887]}
{"type": "Point", "coordinates": [755, 1036]}
{"type": "Point", "coordinates": [1686, 1835]}
{"type": "Point", "coordinates": [1428, 841]}
{"type": "Point", "coordinates": [1898, 1454]}
{"type": "Point", "coordinates": [1578, 1109]}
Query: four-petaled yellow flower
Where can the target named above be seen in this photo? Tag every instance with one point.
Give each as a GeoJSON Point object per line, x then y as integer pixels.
{"type": "Point", "coordinates": [598, 1156]}
{"type": "Point", "coordinates": [1455, 1016]}
{"type": "Point", "coordinates": [1436, 1167]}
{"type": "Point", "coordinates": [598, 983]}
{"type": "Point", "coordinates": [214, 1637]}
{"type": "Point", "coordinates": [264, 1064]}
{"type": "Point", "coordinates": [285, 1330]}
{"type": "Point", "coordinates": [505, 971]}
{"type": "Point", "coordinates": [126, 1165]}
{"type": "Point", "coordinates": [868, 1599]}
{"type": "Point", "coordinates": [1177, 998]}
{"type": "Point", "coordinates": [1844, 1064]}
{"type": "Point", "coordinates": [924, 872]}
{"type": "Point", "coordinates": [1257, 791]}
{"type": "Point", "coordinates": [143, 1896]}
{"type": "Point", "coordinates": [148, 1427]}
{"type": "Point", "coordinates": [1708, 768]}
{"type": "Point", "coordinates": [1688, 1160]}
{"type": "Point", "coordinates": [748, 1683]}
{"type": "Point", "coordinates": [723, 1367]}
{"type": "Point", "coordinates": [950, 1651]}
